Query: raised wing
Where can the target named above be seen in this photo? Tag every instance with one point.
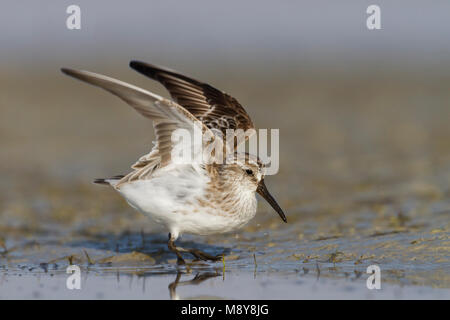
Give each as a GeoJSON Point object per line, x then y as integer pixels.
{"type": "Point", "coordinates": [166, 115]}
{"type": "Point", "coordinates": [216, 109]}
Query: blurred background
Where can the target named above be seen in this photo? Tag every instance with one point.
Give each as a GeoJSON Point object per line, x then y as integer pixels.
{"type": "Point", "coordinates": [363, 118]}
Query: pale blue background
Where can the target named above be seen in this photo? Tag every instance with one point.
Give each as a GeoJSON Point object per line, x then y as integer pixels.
{"type": "Point", "coordinates": [415, 34]}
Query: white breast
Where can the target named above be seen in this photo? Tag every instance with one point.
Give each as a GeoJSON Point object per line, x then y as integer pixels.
{"type": "Point", "coordinates": [170, 197]}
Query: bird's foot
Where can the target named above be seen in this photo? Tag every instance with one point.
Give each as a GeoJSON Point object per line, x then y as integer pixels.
{"type": "Point", "coordinates": [205, 256]}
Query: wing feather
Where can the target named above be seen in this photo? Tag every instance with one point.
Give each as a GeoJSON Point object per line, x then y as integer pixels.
{"type": "Point", "coordinates": [166, 115]}
{"type": "Point", "coordinates": [216, 109]}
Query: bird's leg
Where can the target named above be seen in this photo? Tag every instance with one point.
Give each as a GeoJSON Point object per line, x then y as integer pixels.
{"type": "Point", "coordinates": [195, 252]}
{"type": "Point", "coordinates": [173, 248]}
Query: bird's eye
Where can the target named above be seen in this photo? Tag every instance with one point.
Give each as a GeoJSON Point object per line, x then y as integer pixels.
{"type": "Point", "coordinates": [249, 172]}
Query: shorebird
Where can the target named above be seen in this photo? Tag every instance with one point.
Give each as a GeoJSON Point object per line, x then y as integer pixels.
{"type": "Point", "coordinates": [201, 198]}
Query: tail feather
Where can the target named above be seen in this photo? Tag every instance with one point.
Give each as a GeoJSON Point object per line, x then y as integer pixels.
{"type": "Point", "coordinates": [108, 181]}
{"type": "Point", "coordinates": [101, 181]}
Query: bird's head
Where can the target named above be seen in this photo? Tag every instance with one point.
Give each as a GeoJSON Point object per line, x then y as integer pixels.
{"type": "Point", "coordinates": [248, 170]}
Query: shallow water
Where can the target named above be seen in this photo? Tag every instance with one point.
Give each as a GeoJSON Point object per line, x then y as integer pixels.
{"type": "Point", "coordinates": [144, 284]}
{"type": "Point", "coordinates": [364, 180]}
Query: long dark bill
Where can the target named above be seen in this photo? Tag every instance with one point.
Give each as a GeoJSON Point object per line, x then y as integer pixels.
{"type": "Point", "coordinates": [263, 192]}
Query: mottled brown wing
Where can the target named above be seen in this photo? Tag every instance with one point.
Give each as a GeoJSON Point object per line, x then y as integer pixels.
{"type": "Point", "coordinates": [216, 109]}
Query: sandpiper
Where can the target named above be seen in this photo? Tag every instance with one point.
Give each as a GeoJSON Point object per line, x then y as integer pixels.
{"type": "Point", "coordinates": [201, 198]}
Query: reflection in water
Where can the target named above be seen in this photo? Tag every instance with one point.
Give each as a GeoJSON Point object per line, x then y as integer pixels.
{"type": "Point", "coordinates": [139, 284]}
{"type": "Point", "coordinates": [199, 278]}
